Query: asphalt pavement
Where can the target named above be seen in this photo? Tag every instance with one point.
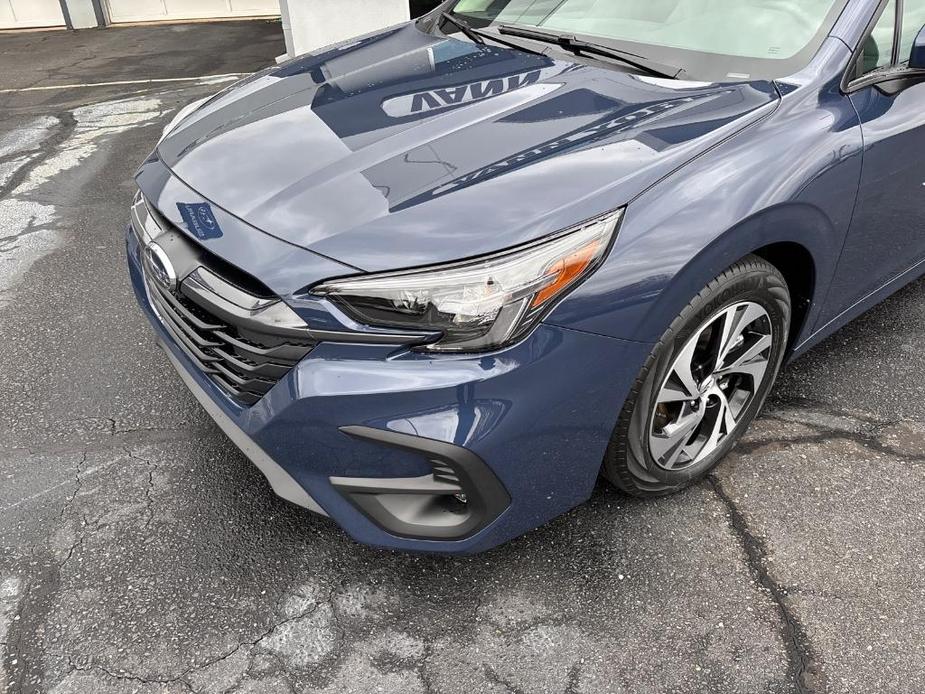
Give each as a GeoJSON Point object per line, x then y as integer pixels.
{"type": "Point", "coordinates": [140, 552]}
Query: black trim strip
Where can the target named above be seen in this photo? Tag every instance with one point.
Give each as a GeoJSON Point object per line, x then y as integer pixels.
{"type": "Point", "coordinates": [66, 13]}
{"type": "Point", "coordinates": [897, 33]}
{"type": "Point", "coordinates": [100, 14]}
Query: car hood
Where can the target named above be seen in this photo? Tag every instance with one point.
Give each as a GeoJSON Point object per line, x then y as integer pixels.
{"type": "Point", "coordinates": [404, 148]}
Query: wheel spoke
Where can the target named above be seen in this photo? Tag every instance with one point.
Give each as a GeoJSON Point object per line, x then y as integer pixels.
{"type": "Point", "coordinates": [752, 361]}
{"type": "Point", "coordinates": [673, 391]}
{"type": "Point", "coordinates": [666, 446]}
{"type": "Point", "coordinates": [728, 322]}
{"type": "Point", "coordinates": [756, 370]}
{"type": "Point", "coordinates": [737, 320]}
{"type": "Point", "coordinates": [723, 425]}
{"type": "Point", "coordinates": [681, 384]}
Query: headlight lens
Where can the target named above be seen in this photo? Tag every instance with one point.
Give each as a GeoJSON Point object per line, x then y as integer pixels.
{"type": "Point", "coordinates": [483, 304]}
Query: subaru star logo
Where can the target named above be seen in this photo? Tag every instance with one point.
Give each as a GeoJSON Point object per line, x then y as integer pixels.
{"type": "Point", "coordinates": [159, 267]}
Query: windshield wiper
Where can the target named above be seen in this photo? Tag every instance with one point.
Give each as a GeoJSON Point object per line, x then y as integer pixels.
{"type": "Point", "coordinates": [580, 46]}
{"type": "Point", "coordinates": [479, 37]}
{"type": "Point", "coordinates": [471, 33]}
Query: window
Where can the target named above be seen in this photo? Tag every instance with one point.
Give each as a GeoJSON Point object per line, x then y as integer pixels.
{"type": "Point", "coordinates": [913, 21]}
{"type": "Point", "coordinates": [710, 39]}
{"type": "Point", "coordinates": [878, 49]}
{"type": "Point", "coordinates": [747, 28]}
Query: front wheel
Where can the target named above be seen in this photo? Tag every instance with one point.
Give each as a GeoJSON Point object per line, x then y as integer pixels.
{"type": "Point", "coordinates": [704, 383]}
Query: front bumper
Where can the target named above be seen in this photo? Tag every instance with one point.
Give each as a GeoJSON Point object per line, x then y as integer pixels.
{"type": "Point", "coordinates": [525, 429]}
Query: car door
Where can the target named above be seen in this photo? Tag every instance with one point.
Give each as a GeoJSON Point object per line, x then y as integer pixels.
{"type": "Point", "coordinates": [887, 234]}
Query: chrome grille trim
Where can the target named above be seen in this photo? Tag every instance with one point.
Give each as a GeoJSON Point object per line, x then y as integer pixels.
{"type": "Point", "coordinates": [243, 343]}
{"type": "Point", "coordinates": [223, 301]}
{"type": "Point", "coordinates": [244, 359]}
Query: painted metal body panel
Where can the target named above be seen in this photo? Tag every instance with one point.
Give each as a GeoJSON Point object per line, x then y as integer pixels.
{"type": "Point", "coordinates": [367, 159]}
{"type": "Point", "coordinates": [405, 149]}
{"type": "Point", "coordinates": [886, 235]}
{"type": "Point", "coordinates": [853, 22]}
{"type": "Point", "coordinates": [487, 404]}
{"type": "Point", "coordinates": [764, 187]}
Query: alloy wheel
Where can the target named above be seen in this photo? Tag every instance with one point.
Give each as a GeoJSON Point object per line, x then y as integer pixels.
{"type": "Point", "coordinates": [710, 385]}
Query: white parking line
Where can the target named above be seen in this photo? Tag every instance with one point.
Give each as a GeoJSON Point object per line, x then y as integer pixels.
{"type": "Point", "coordinates": [164, 80]}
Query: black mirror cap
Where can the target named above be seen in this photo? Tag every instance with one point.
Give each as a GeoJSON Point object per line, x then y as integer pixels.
{"type": "Point", "coordinates": [917, 59]}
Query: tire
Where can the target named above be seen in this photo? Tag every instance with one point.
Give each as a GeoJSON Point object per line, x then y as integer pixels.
{"type": "Point", "coordinates": [651, 452]}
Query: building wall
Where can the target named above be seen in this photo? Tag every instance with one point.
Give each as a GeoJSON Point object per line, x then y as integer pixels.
{"type": "Point", "coordinates": [308, 24]}
{"type": "Point", "coordinates": [83, 14]}
{"type": "Point", "coordinates": [178, 10]}
{"type": "Point", "coordinates": [311, 24]}
{"type": "Point", "coordinates": [26, 14]}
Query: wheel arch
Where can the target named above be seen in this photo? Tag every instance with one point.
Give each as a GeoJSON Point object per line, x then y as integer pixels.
{"type": "Point", "coordinates": [796, 264]}
{"type": "Point", "coordinates": [798, 239]}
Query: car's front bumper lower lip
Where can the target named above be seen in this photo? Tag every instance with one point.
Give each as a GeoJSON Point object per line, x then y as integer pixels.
{"type": "Point", "coordinates": [458, 472]}
{"type": "Point", "coordinates": [379, 441]}
{"type": "Point", "coordinates": [281, 481]}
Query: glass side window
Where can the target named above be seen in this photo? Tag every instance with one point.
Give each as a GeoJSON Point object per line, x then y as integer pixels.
{"type": "Point", "coordinates": [913, 21]}
{"type": "Point", "coordinates": [878, 49]}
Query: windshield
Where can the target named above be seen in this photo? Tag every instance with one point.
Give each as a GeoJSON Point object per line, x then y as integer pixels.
{"type": "Point", "coordinates": [711, 39]}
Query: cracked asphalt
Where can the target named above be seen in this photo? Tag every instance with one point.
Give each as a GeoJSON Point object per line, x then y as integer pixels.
{"type": "Point", "coordinates": [142, 553]}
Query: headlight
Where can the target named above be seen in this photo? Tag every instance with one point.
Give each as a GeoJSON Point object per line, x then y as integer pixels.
{"type": "Point", "coordinates": [181, 114]}
{"type": "Point", "coordinates": [482, 304]}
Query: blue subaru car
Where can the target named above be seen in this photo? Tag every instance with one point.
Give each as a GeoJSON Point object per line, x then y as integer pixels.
{"type": "Point", "coordinates": [436, 281]}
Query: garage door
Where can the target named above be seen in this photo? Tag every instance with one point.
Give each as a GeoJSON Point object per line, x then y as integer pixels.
{"type": "Point", "coordinates": [160, 10]}
{"type": "Point", "coordinates": [24, 14]}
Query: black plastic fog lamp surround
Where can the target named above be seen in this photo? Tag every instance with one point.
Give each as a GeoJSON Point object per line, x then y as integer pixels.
{"type": "Point", "coordinates": [460, 497]}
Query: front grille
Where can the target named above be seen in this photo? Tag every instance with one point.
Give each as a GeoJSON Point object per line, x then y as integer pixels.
{"type": "Point", "coordinates": [244, 363]}
{"type": "Point", "coordinates": [237, 339]}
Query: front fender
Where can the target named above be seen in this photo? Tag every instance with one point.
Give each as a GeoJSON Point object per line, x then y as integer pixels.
{"type": "Point", "coordinates": [791, 178]}
{"type": "Point", "coordinates": [796, 224]}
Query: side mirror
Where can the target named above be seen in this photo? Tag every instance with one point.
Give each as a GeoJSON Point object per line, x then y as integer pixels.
{"type": "Point", "coordinates": [917, 59]}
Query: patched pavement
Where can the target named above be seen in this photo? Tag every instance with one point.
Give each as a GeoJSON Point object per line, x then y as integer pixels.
{"type": "Point", "coordinates": [140, 552]}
